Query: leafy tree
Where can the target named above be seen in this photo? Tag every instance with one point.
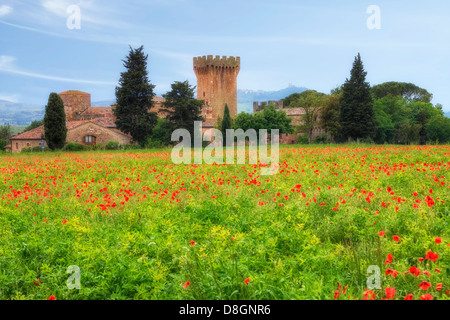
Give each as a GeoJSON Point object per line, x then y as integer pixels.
{"type": "Point", "coordinates": [244, 121]}
{"type": "Point", "coordinates": [289, 99]}
{"type": "Point", "coordinates": [182, 108]}
{"type": "Point", "coordinates": [356, 107]}
{"type": "Point", "coordinates": [329, 119]}
{"type": "Point", "coordinates": [134, 98]}
{"type": "Point", "coordinates": [312, 103]}
{"type": "Point", "coordinates": [438, 129]}
{"type": "Point", "coordinates": [271, 118]}
{"type": "Point", "coordinates": [161, 134]}
{"type": "Point", "coordinates": [409, 91]}
{"type": "Point", "coordinates": [55, 130]}
{"type": "Point", "coordinates": [337, 90]}
{"type": "Point", "coordinates": [5, 132]}
{"type": "Point", "coordinates": [226, 124]}
{"type": "Point", "coordinates": [384, 128]}
{"type": "Point", "coordinates": [35, 124]}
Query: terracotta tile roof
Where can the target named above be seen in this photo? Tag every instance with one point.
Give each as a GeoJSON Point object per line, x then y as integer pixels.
{"type": "Point", "coordinates": [95, 110]}
{"type": "Point", "coordinates": [37, 133]}
{"type": "Point", "coordinates": [74, 92]}
{"type": "Point", "coordinates": [208, 124]}
{"type": "Point", "coordinates": [33, 134]}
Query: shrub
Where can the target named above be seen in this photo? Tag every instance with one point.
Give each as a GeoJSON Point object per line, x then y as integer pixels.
{"type": "Point", "coordinates": [130, 146]}
{"type": "Point", "coordinates": [26, 149]}
{"type": "Point", "coordinates": [98, 147]}
{"type": "Point", "coordinates": [37, 149]}
{"type": "Point", "coordinates": [321, 139]}
{"type": "Point", "coordinates": [73, 146]}
{"type": "Point", "coordinates": [303, 139]}
{"type": "Point", "coordinates": [112, 145]}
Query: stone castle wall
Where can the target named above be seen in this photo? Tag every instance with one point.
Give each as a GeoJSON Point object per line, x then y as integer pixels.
{"type": "Point", "coordinates": [75, 103]}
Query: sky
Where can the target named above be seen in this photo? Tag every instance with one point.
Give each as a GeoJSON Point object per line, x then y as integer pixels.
{"type": "Point", "coordinates": [304, 43]}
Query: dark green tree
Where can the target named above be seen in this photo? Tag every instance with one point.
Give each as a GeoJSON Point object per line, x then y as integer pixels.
{"type": "Point", "coordinates": [356, 106]}
{"type": "Point", "coordinates": [182, 108]}
{"type": "Point", "coordinates": [134, 98]}
{"type": "Point", "coordinates": [55, 130]}
{"type": "Point", "coordinates": [226, 124]}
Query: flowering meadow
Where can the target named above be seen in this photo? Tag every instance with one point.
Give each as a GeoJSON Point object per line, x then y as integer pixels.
{"type": "Point", "coordinates": [140, 227]}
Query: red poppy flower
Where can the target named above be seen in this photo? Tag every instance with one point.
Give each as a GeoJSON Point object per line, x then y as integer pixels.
{"type": "Point", "coordinates": [186, 284]}
{"type": "Point", "coordinates": [390, 293]}
{"type": "Point", "coordinates": [389, 189]}
{"type": "Point", "coordinates": [439, 286]}
{"type": "Point", "coordinates": [369, 295]}
{"type": "Point", "coordinates": [389, 258]}
{"type": "Point", "coordinates": [336, 294]}
{"type": "Point", "coordinates": [247, 281]}
{"type": "Point", "coordinates": [192, 242]}
{"type": "Point", "coordinates": [381, 233]}
{"type": "Point", "coordinates": [64, 221]}
{"type": "Point", "coordinates": [396, 238]}
{"type": "Point", "coordinates": [424, 285]}
{"type": "Point", "coordinates": [52, 297]}
{"type": "Point", "coordinates": [432, 256]}
{"type": "Point", "coordinates": [426, 297]}
{"type": "Point", "coordinates": [416, 272]}
{"type": "Point", "coordinates": [438, 240]}
{"type": "Point", "coordinates": [409, 297]}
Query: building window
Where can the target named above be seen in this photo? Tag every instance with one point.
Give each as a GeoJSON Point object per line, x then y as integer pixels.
{"type": "Point", "coordinates": [89, 139]}
{"type": "Point", "coordinates": [17, 146]}
{"type": "Point", "coordinates": [28, 144]}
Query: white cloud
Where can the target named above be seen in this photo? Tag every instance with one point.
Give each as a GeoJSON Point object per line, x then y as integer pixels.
{"type": "Point", "coordinates": [7, 65]}
{"type": "Point", "coordinates": [9, 97]}
{"type": "Point", "coordinates": [5, 10]}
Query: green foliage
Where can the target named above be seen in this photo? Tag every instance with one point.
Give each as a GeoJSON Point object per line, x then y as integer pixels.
{"type": "Point", "coordinates": [3, 144]}
{"type": "Point", "coordinates": [161, 134]}
{"type": "Point", "coordinates": [244, 121]}
{"type": "Point", "coordinates": [291, 98]}
{"type": "Point", "coordinates": [321, 139]}
{"type": "Point", "coordinates": [438, 129]}
{"type": "Point", "coordinates": [26, 149]}
{"type": "Point", "coordinates": [5, 132]}
{"type": "Point", "coordinates": [134, 98]}
{"type": "Point", "coordinates": [409, 91]}
{"type": "Point", "coordinates": [35, 124]}
{"type": "Point", "coordinates": [303, 139]}
{"type": "Point", "coordinates": [73, 146]}
{"type": "Point", "coordinates": [182, 107]}
{"type": "Point", "coordinates": [312, 103]}
{"type": "Point", "coordinates": [55, 122]}
{"type": "Point", "coordinates": [329, 117]}
{"type": "Point", "coordinates": [226, 124]}
{"type": "Point", "coordinates": [356, 115]}
{"type": "Point", "coordinates": [112, 145]}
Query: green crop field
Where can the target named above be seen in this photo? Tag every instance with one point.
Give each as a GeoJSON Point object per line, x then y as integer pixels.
{"type": "Point", "coordinates": [137, 226]}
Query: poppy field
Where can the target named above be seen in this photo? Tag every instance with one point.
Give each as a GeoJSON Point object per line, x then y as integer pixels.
{"type": "Point", "coordinates": [332, 220]}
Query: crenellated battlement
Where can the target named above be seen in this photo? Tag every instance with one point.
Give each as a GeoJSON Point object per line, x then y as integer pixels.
{"type": "Point", "coordinates": [217, 61]}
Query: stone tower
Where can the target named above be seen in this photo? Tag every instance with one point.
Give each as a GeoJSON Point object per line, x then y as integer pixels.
{"type": "Point", "coordinates": [217, 85]}
{"type": "Point", "coordinates": [75, 102]}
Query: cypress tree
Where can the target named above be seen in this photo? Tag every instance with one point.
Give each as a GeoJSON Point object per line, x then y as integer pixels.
{"type": "Point", "coordinates": [134, 98]}
{"type": "Point", "coordinates": [55, 129]}
{"type": "Point", "coordinates": [226, 124]}
{"type": "Point", "coordinates": [356, 116]}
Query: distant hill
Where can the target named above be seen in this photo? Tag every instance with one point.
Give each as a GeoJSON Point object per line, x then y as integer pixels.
{"type": "Point", "coordinates": [246, 97]}
{"type": "Point", "coordinates": [103, 103]}
{"type": "Point", "coordinates": [19, 114]}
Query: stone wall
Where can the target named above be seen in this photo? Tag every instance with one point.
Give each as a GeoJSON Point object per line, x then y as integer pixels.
{"type": "Point", "coordinates": [217, 84]}
{"type": "Point", "coordinates": [17, 145]}
{"type": "Point", "coordinates": [102, 135]}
